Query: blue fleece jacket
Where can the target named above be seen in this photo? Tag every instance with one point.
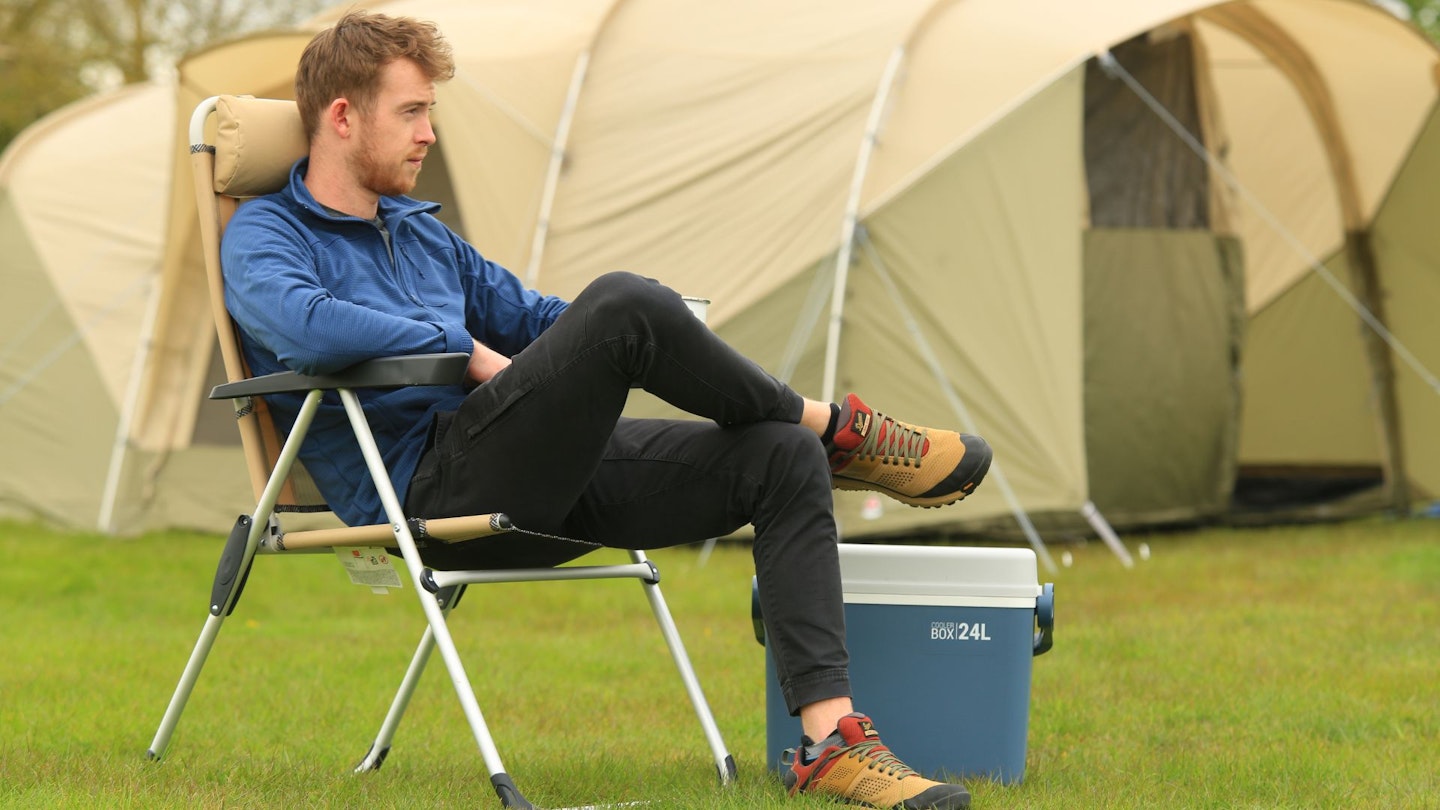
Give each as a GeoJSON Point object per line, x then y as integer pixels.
{"type": "Point", "coordinates": [315, 292]}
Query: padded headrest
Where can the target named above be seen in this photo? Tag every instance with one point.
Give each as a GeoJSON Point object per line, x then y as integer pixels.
{"type": "Point", "coordinates": [257, 140]}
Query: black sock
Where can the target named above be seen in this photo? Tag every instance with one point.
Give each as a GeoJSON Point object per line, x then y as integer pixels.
{"type": "Point", "coordinates": [829, 434]}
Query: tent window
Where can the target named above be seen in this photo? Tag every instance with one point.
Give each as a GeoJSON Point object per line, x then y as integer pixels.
{"type": "Point", "coordinates": [1140, 174]}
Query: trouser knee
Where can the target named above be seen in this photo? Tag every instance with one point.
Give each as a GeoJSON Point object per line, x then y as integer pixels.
{"type": "Point", "coordinates": [790, 451]}
{"type": "Point", "coordinates": [791, 461]}
{"type": "Point", "coordinates": [626, 301]}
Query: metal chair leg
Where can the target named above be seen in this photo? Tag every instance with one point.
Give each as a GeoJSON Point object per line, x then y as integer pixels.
{"type": "Point", "coordinates": [434, 614]}
{"type": "Point", "coordinates": [230, 576]}
{"type": "Point", "coordinates": [178, 700]}
{"type": "Point", "coordinates": [380, 748]}
{"type": "Point", "coordinates": [233, 570]}
{"type": "Point", "coordinates": [724, 763]}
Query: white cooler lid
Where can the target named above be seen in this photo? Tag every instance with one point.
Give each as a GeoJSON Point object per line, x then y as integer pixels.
{"type": "Point", "coordinates": [939, 575]}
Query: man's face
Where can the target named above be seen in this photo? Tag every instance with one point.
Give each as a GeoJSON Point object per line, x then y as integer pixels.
{"type": "Point", "coordinates": [395, 135]}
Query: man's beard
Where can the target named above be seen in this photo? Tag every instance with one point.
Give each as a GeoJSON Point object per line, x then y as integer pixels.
{"type": "Point", "coordinates": [385, 179]}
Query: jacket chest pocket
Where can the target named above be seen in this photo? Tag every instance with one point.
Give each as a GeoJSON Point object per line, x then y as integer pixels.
{"type": "Point", "coordinates": [431, 277]}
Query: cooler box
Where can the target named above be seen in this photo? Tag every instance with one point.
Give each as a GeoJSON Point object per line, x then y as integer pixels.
{"type": "Point", "coordinates": [941, 641]}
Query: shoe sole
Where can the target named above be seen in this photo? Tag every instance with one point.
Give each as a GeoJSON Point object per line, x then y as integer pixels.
{"type": "Point", "coordinates": [840, 482]}
{"type": "Point", "coordinates": [922, 503]}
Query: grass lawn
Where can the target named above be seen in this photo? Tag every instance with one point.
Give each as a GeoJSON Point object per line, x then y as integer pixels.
{"type": "Point", "coordinates": [1292, 667]}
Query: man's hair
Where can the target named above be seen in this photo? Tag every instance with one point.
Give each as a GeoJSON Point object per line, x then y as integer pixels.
{"type": "Point", "coordinates": [345, 61]}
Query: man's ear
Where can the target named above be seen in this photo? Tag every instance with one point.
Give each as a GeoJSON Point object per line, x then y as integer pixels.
{"type": "Point", "coordinates": [340, 117]}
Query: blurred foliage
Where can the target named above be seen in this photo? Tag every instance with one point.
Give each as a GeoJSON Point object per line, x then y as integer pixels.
{"type": "Point", "coordinates": [36, 75]}
{"type": "Point", "coordinates": [53, 52]}
{"type": "Point", "coordinates": [1426, 15]}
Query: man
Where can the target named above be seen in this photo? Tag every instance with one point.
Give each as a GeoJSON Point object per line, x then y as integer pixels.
{"type": "Point", "coordinates": [341, 267]}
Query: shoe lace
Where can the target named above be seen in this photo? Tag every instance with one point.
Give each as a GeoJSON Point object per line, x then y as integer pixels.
{"type": "Point", "coordinates": [902, 444]}
{"type": "Point", "coordinates": [879, 757]}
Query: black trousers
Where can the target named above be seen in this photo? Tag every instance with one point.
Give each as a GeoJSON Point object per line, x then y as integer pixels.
{"type": "Point", "coordinates": [544, 442]}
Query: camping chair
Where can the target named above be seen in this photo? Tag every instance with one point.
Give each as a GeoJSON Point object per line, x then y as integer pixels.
{"type": "Point", "coordinates": [255, 143]}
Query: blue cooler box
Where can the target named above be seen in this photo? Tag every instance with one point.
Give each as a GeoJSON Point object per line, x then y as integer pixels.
{"type": "Point", "coordinates": [941, 641]}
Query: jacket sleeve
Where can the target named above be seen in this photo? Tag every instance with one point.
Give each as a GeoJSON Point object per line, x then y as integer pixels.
{"type": "Point", "coordinates": [501, 312]}
{"type": "Point", "coordinates": [274, 293]}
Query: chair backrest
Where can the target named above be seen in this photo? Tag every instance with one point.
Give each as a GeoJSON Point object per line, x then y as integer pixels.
{"type": "Point", "coordinates": [247, 153]}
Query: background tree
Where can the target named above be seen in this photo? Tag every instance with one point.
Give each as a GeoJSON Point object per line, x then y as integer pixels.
{"type": "Point", "coordinates": [1425, 13]}
{"type": "Point", "coordinates": [55, 51]}
{"type": "Point", "coordinates": [39, 71]}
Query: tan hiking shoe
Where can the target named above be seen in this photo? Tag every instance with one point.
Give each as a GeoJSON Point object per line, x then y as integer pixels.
{"type": "Point", "coordinates": [915, 465]}
{"type": "Point", "coordinates": [855, 766]}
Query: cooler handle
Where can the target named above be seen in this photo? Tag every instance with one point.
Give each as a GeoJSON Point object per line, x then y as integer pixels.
{"type": "Point", "coordinates": [1045, 619]}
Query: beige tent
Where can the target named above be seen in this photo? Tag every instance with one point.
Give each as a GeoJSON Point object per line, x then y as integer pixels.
{"type": "Point", "coordinates": [82, 206]}
{"type": "Point", "coordinates": [956, 208]}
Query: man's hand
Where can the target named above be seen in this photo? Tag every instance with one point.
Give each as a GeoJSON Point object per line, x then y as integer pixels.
{"type": "Point", "coordinates": [485, 362]}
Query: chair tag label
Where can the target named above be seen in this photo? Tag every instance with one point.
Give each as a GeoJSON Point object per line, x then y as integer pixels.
{"type": "Point", "coordinates": [371, 567]}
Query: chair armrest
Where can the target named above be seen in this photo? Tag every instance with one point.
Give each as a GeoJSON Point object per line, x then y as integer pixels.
{"type": "Point", "coordinates": [382, 372]}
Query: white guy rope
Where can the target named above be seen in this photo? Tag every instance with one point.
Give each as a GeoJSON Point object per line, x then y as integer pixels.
{"type": "Point", "coordinates": [41, 318]}
{"type": "Point", "coordinates": [1114, 69]}
{"type": "Point", "coordinates": [1106, 532]}
{"type": "Point", "coordinates": [927, 353]}
{"type": "Point", "coordinates": [805, 324]}
{"type": "Point", "coordinates": [59, 349]}
{"type": "Point", "coordinates": [505, 107]}
{"type": "Point", "coordinates": [106, 520]}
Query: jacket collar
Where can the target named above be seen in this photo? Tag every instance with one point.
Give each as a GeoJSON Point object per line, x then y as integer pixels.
{"type": "Point", "coordinates": [392, 209]}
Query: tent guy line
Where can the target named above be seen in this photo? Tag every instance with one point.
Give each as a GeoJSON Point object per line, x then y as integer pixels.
{"type": "Point", "coordinates": [809, 315]}
{"type": "Point", "coordinates": [927, 353]}
{"type": "Point", "coordinates": [110, 495]}
{"type": "Point", "coordinates": [1127, 330]}
{"type": "Point", "coordinates": [1114, 69]}
{"type": "Point", "coordinates": [73, 339]}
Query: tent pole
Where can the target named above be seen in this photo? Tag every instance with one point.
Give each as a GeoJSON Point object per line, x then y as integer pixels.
{"type": "Point", "coordinates": [997, 473]}
{"type": "Point", "coordinates": [1382, 368]}
{"type": "Point", "coordinates": [848, 235]}
{"type": "Point", "coordinates": [1260, 31]}
{"type": "Point", "coordinates": [552, 173]}
{"type": "Point", "coordinates": [106, 522]}
{"type": "Point", "coordinates": [558, 147]}
{"type": "Point", "coordinates": [1380, 342]}
{"type": "Point", "coordinates": [852, 218]}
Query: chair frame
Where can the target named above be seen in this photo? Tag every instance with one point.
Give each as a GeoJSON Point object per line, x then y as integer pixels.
{"type": "Point", "coordinates": [437, 591]}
